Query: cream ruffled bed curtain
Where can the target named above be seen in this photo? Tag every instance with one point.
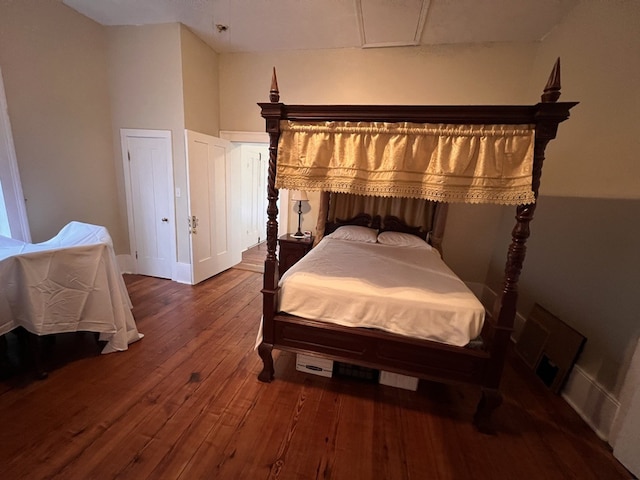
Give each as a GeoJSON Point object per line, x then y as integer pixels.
{"type": "Point", "coordinates": [445, 163]}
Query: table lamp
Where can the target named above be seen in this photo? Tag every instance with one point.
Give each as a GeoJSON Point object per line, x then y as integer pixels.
{"type": "Point", "coordinates": [299, 196]}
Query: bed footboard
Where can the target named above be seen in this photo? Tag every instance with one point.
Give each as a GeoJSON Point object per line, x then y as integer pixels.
{"type": "Point", "coordinates": [376, 349]}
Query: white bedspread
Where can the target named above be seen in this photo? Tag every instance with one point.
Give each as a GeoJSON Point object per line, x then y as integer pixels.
{"type": "Point", "coordinates": [409, 291]}
{"type": "Point", "coordinates": [69, 283]}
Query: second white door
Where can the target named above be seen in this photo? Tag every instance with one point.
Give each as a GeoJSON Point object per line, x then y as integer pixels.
{"type": "Point", "coordinates": [147, 155]}
{"type": "Point", "coordinates": [213, 181]}
{"type": "Point", "coordinates": [254, 195]}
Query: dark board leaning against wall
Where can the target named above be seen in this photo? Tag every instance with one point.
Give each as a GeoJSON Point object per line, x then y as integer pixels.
{"type": "Point", "coordinates": [583, 264]}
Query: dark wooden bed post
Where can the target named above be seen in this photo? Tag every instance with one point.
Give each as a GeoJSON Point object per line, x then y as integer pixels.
{"type": "Point", "coordinates": [272, 113]}
{"type": "Point", "coordinates": [547, 118]}
{"type": "Point", "coordinates": [438, 226]}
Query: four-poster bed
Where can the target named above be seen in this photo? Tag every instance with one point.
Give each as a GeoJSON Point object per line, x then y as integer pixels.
{"type": "Point", "coordinates": [437, 154]}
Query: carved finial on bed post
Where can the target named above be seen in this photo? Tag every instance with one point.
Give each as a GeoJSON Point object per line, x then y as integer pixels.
{"type": "Point", "coordinates": [552, 89]}
{"type": "Point", "coordinates": [274, 93]}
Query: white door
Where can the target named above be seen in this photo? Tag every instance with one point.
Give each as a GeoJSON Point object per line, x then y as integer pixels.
{"type": "Point", "coordinates": [149, 185]}
{"type": "Point", "coordinates": [254, 195]}
{"type": "Point", "coordinates": [214, 183]}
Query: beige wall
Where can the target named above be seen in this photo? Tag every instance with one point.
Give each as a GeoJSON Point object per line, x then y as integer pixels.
{"type": "Point", "coordinates": [412, 75]}
{"type": "Point", "coordinates": [163, 77]}
{"type": "Point", "coordinates": [437, 75]}
{"type": "Point", "coordinates": [200, 85]}
{"type": "Point", "coordinates": [582, 262]}
{"type": "Point", "coordinates": [145, 70]}
{"type": "Point", "coordinates": [55, 74]}
{"type": "Point", "coordinates": [597, 150]}
{"type": "Point", "coordinates": [71, 86]}
{"type": "Point", "coordinates": [583, 265]}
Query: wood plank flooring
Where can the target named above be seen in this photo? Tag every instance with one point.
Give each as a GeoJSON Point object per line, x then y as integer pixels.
{"type": "Point", "coordinates": [184, 403]}
{"type": "Point", "coordinates": [253, 258]}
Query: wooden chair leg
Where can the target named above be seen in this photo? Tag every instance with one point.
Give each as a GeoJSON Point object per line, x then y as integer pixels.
{"type": "Point", "coordinates": [490, 400]}
{"type": "Point", "coordinates": [34, 344]}
{"type": "Point", "coordinates": [268, 372]}
{"type": "Point", "coordinates": [6, 369]}
{"type": "Point", "coordinates": [32, 347]}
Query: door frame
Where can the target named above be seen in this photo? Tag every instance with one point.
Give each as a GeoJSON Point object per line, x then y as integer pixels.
{"type": "Point", "coordinates": [10, 175]}
{"type": "Point", "coordinates": [233, 253]}
{"type": "Point", "coordinates": [254, 158]}
{"type": "Point", "coordinates": [125, 133]}
{"type": "Point", "coordinates": [283, 196]}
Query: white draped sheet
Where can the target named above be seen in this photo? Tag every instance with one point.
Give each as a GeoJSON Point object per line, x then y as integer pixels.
{"type": "Point", "coordinates": [69, 283]}
{"type": "Point", "coordinates": [408, 291]}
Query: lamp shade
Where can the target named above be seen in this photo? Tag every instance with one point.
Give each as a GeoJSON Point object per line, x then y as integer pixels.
{"type": "Point", "coordinates": [299, 196]}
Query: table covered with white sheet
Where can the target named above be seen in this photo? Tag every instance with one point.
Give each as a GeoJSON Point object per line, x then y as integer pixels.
{"type": "Point", "coordinates": [69, 283]}
{"type": "Point", "coordinates": [404, 290]}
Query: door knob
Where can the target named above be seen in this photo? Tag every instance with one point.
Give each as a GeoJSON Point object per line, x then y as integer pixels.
{"type": "Point", "coordinates": [165, 219]}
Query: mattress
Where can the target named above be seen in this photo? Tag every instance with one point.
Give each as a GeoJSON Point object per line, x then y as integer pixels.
{"type": "Point", "coordinates": [404, 290]}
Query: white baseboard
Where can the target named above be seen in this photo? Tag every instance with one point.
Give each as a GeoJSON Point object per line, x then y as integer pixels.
{"type": "Point", "coordinates": [181, 271]}
{"type": "Point", "coordinates": [125, 263]}
{"type": "Point", "coordinates": [584, 394]}
{"type": "Point", "coordinates": [591, 401]}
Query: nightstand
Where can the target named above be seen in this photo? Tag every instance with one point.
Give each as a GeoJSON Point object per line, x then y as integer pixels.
{"type": "Point", "coordinates": [292, 249]}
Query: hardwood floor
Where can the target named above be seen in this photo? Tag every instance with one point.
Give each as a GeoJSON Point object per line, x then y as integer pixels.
{"type": "Point", "coordinates": [184, 403]}
{"type": "Point", "coordinates": [253, 258]}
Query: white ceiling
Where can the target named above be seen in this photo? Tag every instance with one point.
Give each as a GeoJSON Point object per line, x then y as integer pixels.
{"type": "Point", "coordinates": [272, 25]}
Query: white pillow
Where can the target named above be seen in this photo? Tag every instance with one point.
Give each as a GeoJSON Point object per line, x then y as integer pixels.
{"type": "Point", "coordinates": [355, 233]}
{"type": "Point", "coordinates": [399, 239]}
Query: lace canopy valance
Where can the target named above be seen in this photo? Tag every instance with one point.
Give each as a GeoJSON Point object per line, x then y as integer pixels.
{"type": "Point", "coordinates": [446, 163]}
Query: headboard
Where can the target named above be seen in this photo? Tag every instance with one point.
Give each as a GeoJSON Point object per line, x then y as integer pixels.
{"type": "Point", "coordinates": [388, 223]}
{"type": "Point", "coordinates": [362, 220]}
